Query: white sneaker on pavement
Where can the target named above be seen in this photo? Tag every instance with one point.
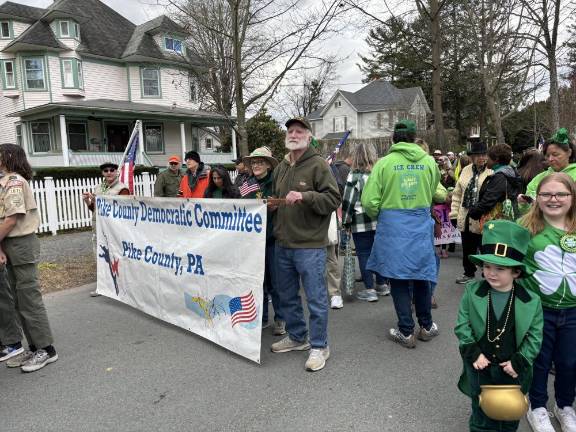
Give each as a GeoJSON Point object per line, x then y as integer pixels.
{"type": "Point", "coordinates": [336, 302]}
{"type": "Point", "coordinates": [539, 420]}
{"type": "Point", "coordinates": [317, 359]}
{"type": "Point", "coordinates": [566, 417]}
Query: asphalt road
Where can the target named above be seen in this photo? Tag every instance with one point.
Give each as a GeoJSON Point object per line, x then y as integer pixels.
{"type": "Point", "coordinates": [121, 370]}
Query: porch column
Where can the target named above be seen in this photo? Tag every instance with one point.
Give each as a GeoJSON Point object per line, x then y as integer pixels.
{"type": "Point", "coordinates": [183, 139]}
{"type": "Point", "coordinates": [64, 141]}
{"type": "Point", "coordinates": [234, 152]}
{"type": "Point", "coordinates": [142, 143]}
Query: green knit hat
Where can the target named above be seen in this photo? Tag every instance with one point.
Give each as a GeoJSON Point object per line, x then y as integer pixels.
{"type": "Point", "coordinates": [504, 243]}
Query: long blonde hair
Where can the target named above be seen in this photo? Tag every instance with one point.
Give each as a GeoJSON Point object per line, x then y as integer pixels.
{"type": "Point", "coordinates": [534, 220]}
{"type": "Point", "coordinates": [363, 157]}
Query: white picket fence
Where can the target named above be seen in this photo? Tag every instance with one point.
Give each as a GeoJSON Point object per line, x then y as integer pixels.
{"type": "Point", "coordinates": [60, 201]}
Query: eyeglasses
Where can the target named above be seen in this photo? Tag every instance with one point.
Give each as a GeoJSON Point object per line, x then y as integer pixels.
{"type": "Point", "coordinates": [109, 170]}
{"type": "Point", "coordinates": [560, 196]}
{"type": "Point", "coordinates": [174, 163]}
{"type": "Point", "coordinates": [258, 162]}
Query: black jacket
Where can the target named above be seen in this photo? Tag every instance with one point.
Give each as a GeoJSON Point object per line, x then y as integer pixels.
{"type": "Point", "coordinates": [506, 182]}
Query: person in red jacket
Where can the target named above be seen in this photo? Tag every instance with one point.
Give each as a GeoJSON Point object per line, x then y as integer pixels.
{"type": "Point", "coordinates": [196, 179]}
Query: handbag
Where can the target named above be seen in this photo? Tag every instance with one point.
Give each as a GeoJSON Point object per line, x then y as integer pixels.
{"type": "Point", "coordinates": [502, 210]}
{"type": "Point", "coordinates": [349, 269]}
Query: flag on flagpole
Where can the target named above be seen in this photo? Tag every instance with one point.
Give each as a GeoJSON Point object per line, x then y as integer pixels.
{"type": "Point", "coordinates": [541, 144]}
{"type": "Point", "coordinates": [330, 159]}
{"type": "Point", "coordinates": [126, 172]}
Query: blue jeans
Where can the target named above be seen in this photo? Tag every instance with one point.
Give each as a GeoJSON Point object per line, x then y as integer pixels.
{"type": "Point", "coordinates": [308, 265]}
{"type": "Point", "coordinates": [401, 295]}
{"type": "Point", "coordinates": [433, 284]}
{"type": "Point", "coordinates": [558, 345]}
{"type": "Point", "coordinates": [363, 242]}
{"type": "Point", "coordinates": [270, 285]}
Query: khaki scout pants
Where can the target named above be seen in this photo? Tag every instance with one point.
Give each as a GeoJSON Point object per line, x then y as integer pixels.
{"type": "Point", "coordinates": [333, 271]}
{"type": "Point", "coordinates": [23, 254]}
{"type": "Point", "coordinates": [10, 331]}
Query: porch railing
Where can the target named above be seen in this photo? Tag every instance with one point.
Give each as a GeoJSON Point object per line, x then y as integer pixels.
{"type": "Point", "coordinates": [60, 201]}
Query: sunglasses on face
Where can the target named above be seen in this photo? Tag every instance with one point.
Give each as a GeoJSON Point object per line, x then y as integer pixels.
{"type": "Point", "coordinates": [108, 170]}
{"type": "Point", "coordinates": [174, 163]}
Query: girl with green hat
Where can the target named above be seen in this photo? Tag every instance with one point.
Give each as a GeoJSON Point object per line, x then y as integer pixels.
{"type": "Point", "coordinates": [551, 274]}
{"type": "Point", "coordinates": [499, 325]}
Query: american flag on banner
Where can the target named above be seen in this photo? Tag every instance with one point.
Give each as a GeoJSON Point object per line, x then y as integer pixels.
{"type": "Point", "coordinates": [243, 309]}
{"type": "Point", "coordinates": [330, 159]}
{"type": "Point", "coordinates": [126, 174]}
{"type": "Point", "coordinates": [250, 185]}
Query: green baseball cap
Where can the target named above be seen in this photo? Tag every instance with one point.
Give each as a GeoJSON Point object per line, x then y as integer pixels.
{"type": "Point", "coordinates": [301, 120]}
{"type": "Point", "coordinates": [504, 243]}
{"type": "Point", "coordinates": [405, 125]}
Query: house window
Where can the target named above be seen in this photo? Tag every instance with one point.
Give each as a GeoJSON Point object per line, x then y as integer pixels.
{"type": "Point", "coordinates": [150, 82]}
{"type": "Point", "coordinates": [9, 78]}
{"type": "Point", "coordinates": [72, 74]}
{"type": "Point", "coordinates": [208, 143]}
{"type": "Point", "coordinates": [68, 73]}
{"type": "Point", "coordinates": [40, 134]}
{"type": "Point", "coordinates": [172, 44]}
{"type": "Point", "coordinates": [153, 138]}
{"type": "Point", "coordinates": [76, 31]}
{"type": "Point", "coordinates": [5, 32]}
{"type": "Point", "coordinates": [340, 124]}
{"type": "Point", "coordinates": [34, 69]}
{"type": "Point", "coordinates": [64, 29]}
{"type": "Point", "coordinates": [19, 134]}
{"type": "Point", "coordinates": [77, 136]}
{"type": "Point", "coordinates": [337, 104]}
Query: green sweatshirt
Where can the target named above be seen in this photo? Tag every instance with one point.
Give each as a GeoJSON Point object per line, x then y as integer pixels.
{"type": "Point", "coordinates": [406, 178]}
{"type": "Point", "coordinates": [551, 271]}
{"type": "Point", "coordinates": [533, 185]}
{"type": "Point", "coordinates": [305, 224]}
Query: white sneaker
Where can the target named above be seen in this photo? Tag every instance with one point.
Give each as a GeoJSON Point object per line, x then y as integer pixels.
{"type": "Point", "coordinates": [383, 290]}
{"type": "Point", "coordinates": [336, 302]}
{"type": "Point", "coordinates": [539, 420]}
{"type": "Point", "coordinates": [566, 417]}
{"type": "Point", "coordinates": [317, 359]}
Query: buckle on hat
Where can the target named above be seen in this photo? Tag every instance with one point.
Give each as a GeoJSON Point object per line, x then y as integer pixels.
{"type": "Point", "coordinates": [501, 249]}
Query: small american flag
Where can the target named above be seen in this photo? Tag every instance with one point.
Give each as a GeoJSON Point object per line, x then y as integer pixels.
{"type": "Point", "coordinates": [249, 186]}
{"type": "Point", "coordinates": [129, 159]}
{"type": "Point", "coordinates": [243, 309]}
{"type": "Point", "coordinates": [332, 157]}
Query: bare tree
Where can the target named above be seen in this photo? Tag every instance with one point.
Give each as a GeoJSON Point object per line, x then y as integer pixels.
{"type": "Point", "coordinates": [258, 42]}
{"type": "Point", "coordinates": [312, 92]}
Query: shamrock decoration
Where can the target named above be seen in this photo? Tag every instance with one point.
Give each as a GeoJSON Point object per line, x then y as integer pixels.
{"type": "Point", "coordinates": [560, 266]}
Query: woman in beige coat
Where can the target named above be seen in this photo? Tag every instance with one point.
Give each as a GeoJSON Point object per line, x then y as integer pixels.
{"type": "Point", "coordinates": [465, 196]}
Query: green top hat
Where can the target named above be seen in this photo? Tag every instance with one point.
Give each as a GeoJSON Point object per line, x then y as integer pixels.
{"type": "Point", "coordinates": [504, 243]}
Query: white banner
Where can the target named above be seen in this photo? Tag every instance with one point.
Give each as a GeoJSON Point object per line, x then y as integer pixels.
{"type": "Point", "coordinates": [197, 264]}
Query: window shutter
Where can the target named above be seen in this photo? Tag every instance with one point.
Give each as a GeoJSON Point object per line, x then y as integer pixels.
{"type": "Point", "coordinates": [334, 124]}
{"type": "Point", "coordinates": [379, 120]}
{"type": "Point", "coordinates": [345, 123]}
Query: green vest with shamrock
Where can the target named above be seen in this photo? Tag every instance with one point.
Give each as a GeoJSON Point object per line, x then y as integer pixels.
{"type": "Point", "coordinates": [551, 266]}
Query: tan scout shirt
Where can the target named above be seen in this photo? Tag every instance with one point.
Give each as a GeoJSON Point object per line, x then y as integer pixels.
{"type": "Point", "coordinates": [17, 198]}
{"type": "Point", "coordinates": [104, 189]}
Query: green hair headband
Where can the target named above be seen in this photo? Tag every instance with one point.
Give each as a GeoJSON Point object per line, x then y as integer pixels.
{"type": "Point", "coordinates": [561, 137]}
{"type": "Point", "coordinates": [314, 143]}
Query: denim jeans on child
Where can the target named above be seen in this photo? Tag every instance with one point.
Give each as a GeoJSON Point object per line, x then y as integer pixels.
{"type": "Point", "coordinates": [308, 265]}
{"type": "Point", "coordinates": [558, 345]}
{"type": "Point", "coordinates": [363, 242]}
{"type": "Point", "coordinates": [402, 296]}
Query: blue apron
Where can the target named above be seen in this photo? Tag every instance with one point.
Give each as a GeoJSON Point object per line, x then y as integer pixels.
{"type": "Point", "coordinates": [404, 245]}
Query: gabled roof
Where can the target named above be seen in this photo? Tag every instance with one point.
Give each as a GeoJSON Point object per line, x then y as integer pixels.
{"type": "Point", "coordinates": [104, 32]}
{"type": "Point", "coordinates": [20, 11]}
{"type": "Point", "coordinates": [378, 95]}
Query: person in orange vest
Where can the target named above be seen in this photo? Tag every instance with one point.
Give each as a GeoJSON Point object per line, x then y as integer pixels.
{"type": "Point", "coordinates": [196, 179]}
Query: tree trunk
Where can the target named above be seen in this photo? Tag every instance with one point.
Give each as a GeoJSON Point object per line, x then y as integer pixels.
{"type": "Point", "coordinates": [554, 93]}
{"type": "Point", "coordinates": [436, 75]}
{"type": "Point", "coordinates": [494, 110]}
{"type": "Point", "coordinates": [242, 141]}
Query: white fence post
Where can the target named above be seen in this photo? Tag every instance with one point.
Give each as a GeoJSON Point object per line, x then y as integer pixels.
{"type": "Point", "coordinates": [146, 184]}
{"type": "Point", "coordinates": [51, 207]}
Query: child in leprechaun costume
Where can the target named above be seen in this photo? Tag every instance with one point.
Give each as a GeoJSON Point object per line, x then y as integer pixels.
{"type": "Point", "coordinates": [499, 325]}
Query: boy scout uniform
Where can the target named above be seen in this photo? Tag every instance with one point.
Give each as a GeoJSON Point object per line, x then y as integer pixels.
{"type": "Point", "coordinates": [22, 250]}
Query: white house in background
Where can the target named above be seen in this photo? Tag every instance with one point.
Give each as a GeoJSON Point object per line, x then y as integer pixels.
{"type": "Point", "coordinates": [371, 112]}
{"type": "Point", "coordinates": [77, 75]}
